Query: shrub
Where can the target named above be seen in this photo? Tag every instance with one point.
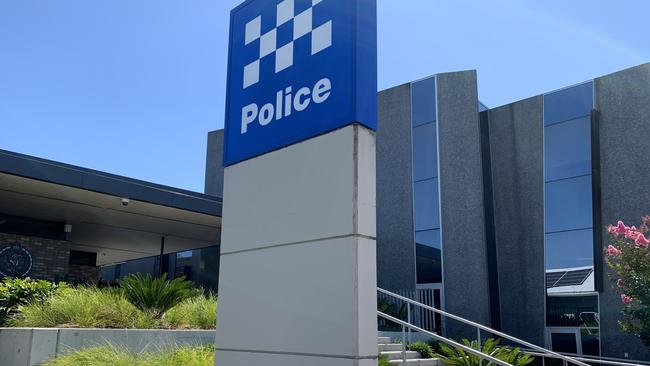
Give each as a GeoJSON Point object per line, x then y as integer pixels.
{"type": "Point", "coordinates": [383, 361]}
{"type": "Point", "coordinates": [156, 295]}
{"type": "Point", "coordinates": [199, 312]}
{"type": "Point", "coordinates": [423, 348]}
{"type": "Point", "coordinates": [15, 292]}
{"type": "Point", "coordinates": [629, 257]}
{"type": "Point", "coordinates": [114, 356]}
{"type": "Point", "coordinates": [84, 307]}
{"type": "Point", "coordinates": [456, 356]}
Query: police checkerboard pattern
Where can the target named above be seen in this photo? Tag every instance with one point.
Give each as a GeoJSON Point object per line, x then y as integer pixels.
{"type": "Point", "coordinates": [321, 38]}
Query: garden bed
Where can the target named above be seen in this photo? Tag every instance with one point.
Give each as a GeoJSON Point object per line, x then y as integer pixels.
{"type": "Point", "coordinates": [33, 346]}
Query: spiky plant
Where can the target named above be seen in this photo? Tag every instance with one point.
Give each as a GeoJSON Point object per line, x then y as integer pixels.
{"type": "Point", "coordinates": [156, 294]}
{"type": "Point", "coordinates": [456, 356]}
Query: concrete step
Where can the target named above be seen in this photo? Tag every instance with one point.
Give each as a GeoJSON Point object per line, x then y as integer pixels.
{"type": "Point", "coordinates": [390, 347]}
{"type": "Point", "coordinates": [397, 355]}
{"type": "Point", "coordinates": [417, 362]}
{"type": "Point", "coordinates": [383, 340]}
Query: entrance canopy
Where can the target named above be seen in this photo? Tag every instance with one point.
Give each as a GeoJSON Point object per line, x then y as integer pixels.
{"type": "Point", "coordinates": [116, 217]}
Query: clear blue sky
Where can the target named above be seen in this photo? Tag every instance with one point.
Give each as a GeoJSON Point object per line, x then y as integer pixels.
{"type": "Point", "coordinates": [132, 86]}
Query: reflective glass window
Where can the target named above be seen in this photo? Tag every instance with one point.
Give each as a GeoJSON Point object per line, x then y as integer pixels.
{"type": "Point", "coordinates": [430, 238]}
{"type": "Point", "coordinates": [590, 341]}
{"type": "Point", "coordinates": [425, 164]}
{"type": "Point", "coordinates": [572, 311]}
{"type": "Point", "coordinates": [426, 205]}
{"type": "Point", "coordinates": [567, 104]}
{"type": "Point", "coordinates": [564, 342]}
{"type": "Point", "coordinates": [423, 101]}
{"type": "Point", "coordinates": [569, 249]}
{"type": "Point", "coordinates": [428, 264]}
{"type": "Point", "coordinates": [568, 204]}
{"type": "Point", "coordinates": [567, 149]}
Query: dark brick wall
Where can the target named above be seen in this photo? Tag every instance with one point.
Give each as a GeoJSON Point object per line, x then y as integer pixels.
{"type": "Point", "coordinates": [83, 274]}
{"type": "Point", "coordinates": [50, 257]}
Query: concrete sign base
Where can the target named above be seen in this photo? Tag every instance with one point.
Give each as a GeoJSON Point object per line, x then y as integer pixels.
{"type": "Point", "coordinates": [297, 282]}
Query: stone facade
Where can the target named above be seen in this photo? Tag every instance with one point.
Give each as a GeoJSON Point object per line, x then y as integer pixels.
{"type": "Point", "coordinates": [50, 257]}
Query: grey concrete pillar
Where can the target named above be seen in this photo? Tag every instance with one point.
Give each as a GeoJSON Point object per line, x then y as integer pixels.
{"type": "Point", "coordinates": [298, 261]}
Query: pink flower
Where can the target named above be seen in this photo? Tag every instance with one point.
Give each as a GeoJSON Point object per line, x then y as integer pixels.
{"type": "Point", "coordinates": [631, 233]}
{"type": "Point", "coordinates": [620, 283]}
{"type": "Point", "coordinates": [621, 228]}
{"type": "Point", "coordinates": [626, 299]}
{"type": "Point", "coordinates": [613, 251]}
{"type": "Point", "coordinates": [642, 241]}
{"type": "Point", "coordinates": [611, 229]}
{"type": "Point", "coordinates": [643, 228]}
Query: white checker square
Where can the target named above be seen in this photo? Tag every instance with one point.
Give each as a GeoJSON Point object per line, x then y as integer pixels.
{"type": "Point", "coordinates": [321, 38]}
{"type": "Point", "coordinates": [251, 73]}
{"type": "Point", "coordinates": [268, 43]}
{"type": "Point", "coordinates": [284, 57]}
{"type": "Point", "coordinates": [314, 2]}
{"type": "Point", "coordinates": [302, 24]}
{"type": "Point", "coordinates": [253, 30]}
{"type": "Point", "coordinates": [285, 12]}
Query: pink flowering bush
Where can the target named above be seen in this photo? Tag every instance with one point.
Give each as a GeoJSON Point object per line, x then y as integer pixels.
{"type": "Point", "coordinates": [629, 257]}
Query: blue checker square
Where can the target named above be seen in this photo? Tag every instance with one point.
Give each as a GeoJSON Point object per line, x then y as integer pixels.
{"type": "Point", "coordinates": [298, 69]}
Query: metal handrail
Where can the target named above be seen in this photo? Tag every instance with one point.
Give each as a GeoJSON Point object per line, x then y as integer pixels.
{"type": "Point", "coordinates": [439, 338]}
{"type": "Point", "coordinates": [485, 328]}
{"type": "Point", "coordinates": [592, 360]}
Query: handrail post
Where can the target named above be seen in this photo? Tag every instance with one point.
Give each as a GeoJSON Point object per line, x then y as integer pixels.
{"type": "Point", "coordinates": [480, 348]}
{"type": "Point", "coordinates": [404, 345]}
{"type": "Point", "coordinates": [408, 319]}
{"type": "Point", "coordinates": [445, 315]}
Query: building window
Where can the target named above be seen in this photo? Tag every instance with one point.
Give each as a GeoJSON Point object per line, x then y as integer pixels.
{"type": "Point", "coordinates": [568, 206]}
{"type": "Point", "coordinates": [572, 316]}
{"type": "Point", "coordinates": [426, 193]}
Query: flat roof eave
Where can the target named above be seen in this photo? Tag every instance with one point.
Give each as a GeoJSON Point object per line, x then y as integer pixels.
{"type": "Point", "coordinates": [93, 180]}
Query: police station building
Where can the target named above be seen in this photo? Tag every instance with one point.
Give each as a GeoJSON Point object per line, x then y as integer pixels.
{"type": "Point", "coordinates": [496, 215]}
{"type": "Point", "coordinates": [499, 213]}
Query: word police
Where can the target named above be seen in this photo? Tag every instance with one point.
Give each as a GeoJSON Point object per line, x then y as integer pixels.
{"type": "Point", "coordinates": [285, 104]}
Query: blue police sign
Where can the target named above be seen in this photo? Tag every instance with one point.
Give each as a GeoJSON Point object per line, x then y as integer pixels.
{"type": "Point", "coordinates": [298, 69]}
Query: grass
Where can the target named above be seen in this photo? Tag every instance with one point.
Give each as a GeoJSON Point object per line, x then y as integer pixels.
{"type": "Point", "coordinates": [83, 307]}
{"type": "Point", "coordinates": [383, 361]}
{"type": "Point", "coordinates": [114, 356]}
{"type": "Point", "coordinates": [91, 307]}
{"type": "Point", "coordinates": [196, 313]}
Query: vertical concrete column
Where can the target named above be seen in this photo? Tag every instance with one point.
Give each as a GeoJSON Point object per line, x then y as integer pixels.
{"type": "Point", "coordinates": [298, 264]}
{"type": "Point", "coordinates": [462, 220]}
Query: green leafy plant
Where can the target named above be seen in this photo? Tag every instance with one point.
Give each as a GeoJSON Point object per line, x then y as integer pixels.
{"type": "Point", "coordinates": [423, 348]}
{"type": "Point", "coordinates": [117, 356]}
{"type": "Point", "coordinates": [629, 257]}
{"type": "Point", "coordinates": [383, 361]}
{"type": "Point", "coordinates": [16, 292]}
{"type": "Point", "coordinates": [198, 312]}
{"type": "Point", "coordinates": [156, 294]}
{"type": "Point", "coordinates": [83, 307]}
{"type": "Point", "coordinates": [456, 356]}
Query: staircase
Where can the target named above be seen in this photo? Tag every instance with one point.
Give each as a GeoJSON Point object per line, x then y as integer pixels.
{"type": "Point", "coordinates": [395, 354]}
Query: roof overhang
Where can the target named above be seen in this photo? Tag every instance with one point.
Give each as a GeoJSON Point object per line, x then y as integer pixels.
{"type": "Point", "coordinates": [91, 201]}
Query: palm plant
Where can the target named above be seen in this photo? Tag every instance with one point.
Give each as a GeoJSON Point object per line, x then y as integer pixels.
{"type": "Point", "coordinates": [456, 356]}
{"type": "Point", "coordinates": [156, 294]}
